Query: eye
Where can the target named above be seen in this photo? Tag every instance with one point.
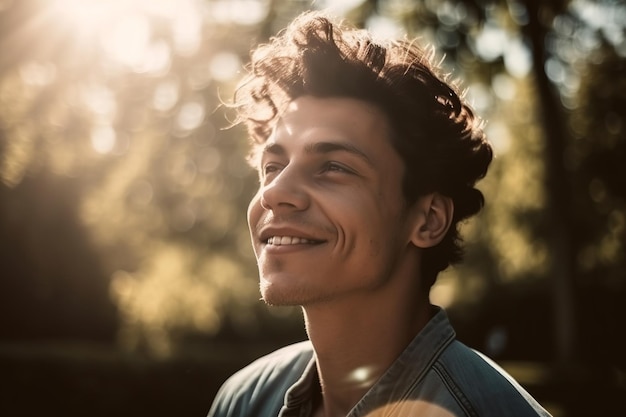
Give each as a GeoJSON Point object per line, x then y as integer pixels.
{"type": "Point", "coordinates": [333, 166]}
{"type": "Point", "coordinates": [270, 168]}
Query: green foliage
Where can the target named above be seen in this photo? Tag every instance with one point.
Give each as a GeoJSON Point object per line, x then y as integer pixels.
{"type": "Point", "coordinates": [120, 104]}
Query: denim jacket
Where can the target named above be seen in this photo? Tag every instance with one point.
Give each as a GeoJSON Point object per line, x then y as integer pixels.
{"type": "Point", "coordinates": [435, 376]}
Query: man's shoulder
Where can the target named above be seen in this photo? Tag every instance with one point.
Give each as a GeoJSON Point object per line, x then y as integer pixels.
{"type": "Point", "coordinates": [462, 367]}
{"type": "Point", "coordinates": [260, 387]}
{"type": "Point", "coordinates": [469, 363]}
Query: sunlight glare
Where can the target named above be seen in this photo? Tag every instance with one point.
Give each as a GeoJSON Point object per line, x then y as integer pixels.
{"type": "Point", "coordinates": [103, 139]}
{"type": "Point", "coordinates": [241, 12]}
{"type": "Point", "coordinates": [224, 66]}
{"type": "Point", "coordinates": [165, 95]}
{"type": "Point", "coordinates": [85, 16]}
{"type": "Point", "coordinates": [383, 27]}
{"type": "Point", "coordinates": [504, 87]}
{"type": "Point", "coordinates": [479, 95]}
{"type": "Point", "coordinates": [362, 377]}
{"type": "Point", "coordinates": [38, 74]}
{"type": "Point", "coordinates": [410, 407]}
{"type": "Point", "coordinates": [100, 100]}
{"type": "Point", "coordinates": [128, 39]}
{"type": "Point", "coordinates": [491, 43]}
{"type": "Point", "coordinates": [187, 30]}
{"type": "Point", "coordinates": [124, 28]}
{"type": "Point", "coordinates": [158, 59]}
{"type": "Point", "coordinates": [517, 58]}
{"type": "Point", "coordinates": [191, 115]}
{"type": "Point", "coordinates": [340, 7]}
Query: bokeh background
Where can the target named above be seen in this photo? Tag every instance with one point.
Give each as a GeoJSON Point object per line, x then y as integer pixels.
{"type": "Point", "coordinates": [127, 284]}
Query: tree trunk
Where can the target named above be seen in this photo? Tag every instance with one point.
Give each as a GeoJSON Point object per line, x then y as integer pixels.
{"type": "Point", "coordinates": [557, 188]}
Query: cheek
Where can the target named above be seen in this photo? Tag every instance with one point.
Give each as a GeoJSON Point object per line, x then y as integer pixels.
{"type": "Point", "coordinates": [254, 211]}
{"type": "Point", "coordinates": [386, 227]}
{"type": "Point", "coordinates": [254, 214]}
{"type": "Point", "coordinates": [369, 228]}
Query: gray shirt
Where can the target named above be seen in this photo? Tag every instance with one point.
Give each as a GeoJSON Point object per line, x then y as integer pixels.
{"type": "Point", "coordinates": [436, 376]}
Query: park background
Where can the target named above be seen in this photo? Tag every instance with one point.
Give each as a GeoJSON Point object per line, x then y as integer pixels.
{"type": "Point", "coordinates": [127, 284]}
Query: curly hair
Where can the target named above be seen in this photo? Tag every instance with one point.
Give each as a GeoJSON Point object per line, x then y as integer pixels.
{"type": "Point", "coordinates": [434, 131]}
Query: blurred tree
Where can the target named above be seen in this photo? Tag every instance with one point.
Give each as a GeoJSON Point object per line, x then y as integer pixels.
{"type": "Point", "coordinates": [115, 108]}
{"type": "Point", "coordinates": [117, 103]}
{"type": "Point", "coordinates": [595, 158]}
{"type": "Point", "coordinates": [504, 48]}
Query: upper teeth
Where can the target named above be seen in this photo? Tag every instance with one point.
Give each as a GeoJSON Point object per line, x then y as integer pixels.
{"type": "Point", "coordinates": [287, 240]}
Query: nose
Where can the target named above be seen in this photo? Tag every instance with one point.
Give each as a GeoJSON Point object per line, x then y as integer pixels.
{"type": "Point", "coordinates": [286, 192]}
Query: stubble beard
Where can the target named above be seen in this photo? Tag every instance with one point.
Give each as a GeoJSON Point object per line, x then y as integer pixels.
{"type": "Point", "coordinates": [289, 296]}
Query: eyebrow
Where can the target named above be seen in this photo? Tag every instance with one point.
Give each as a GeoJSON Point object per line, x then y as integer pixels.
{"type": "Point", "coordinates": [321, 148]}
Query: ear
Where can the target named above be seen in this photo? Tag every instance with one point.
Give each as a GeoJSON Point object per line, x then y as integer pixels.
{"type": "Point", "coordinates": [432, 217]}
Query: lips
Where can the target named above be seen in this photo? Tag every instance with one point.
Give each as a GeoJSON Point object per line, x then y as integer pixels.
{"type": "Point", "coordinates": [287, 236]}
{"type": "Point", "coordinates": [290, 240]}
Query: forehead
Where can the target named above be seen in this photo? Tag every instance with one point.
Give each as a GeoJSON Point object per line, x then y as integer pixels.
{"type": "Point", "coordinates": [339, 113]}
{"type": "Point", "coordinates": [349, 122]}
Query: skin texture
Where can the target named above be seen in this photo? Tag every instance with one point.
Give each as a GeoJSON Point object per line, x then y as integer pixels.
{"type": "Point", "coordinates": [330, 178]}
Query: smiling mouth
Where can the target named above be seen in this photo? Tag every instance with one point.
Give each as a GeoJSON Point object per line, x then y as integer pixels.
{"type": "Point", "coordinates": [290, 240]}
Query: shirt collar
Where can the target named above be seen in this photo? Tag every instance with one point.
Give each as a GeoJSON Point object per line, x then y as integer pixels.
{"type": "Point", "coordinates": [298, 398]}
{"type": "Point", "coordinates": [408, 369]}
{"type": "Point", "coordinates": [411, 366]}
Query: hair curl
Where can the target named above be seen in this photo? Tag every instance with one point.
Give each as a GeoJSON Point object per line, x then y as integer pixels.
{"type": "Point", "coordinates": [434, 131]}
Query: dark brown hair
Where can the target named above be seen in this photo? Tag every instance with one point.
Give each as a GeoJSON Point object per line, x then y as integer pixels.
{"type": "Point", "coordinates": [434, 131]}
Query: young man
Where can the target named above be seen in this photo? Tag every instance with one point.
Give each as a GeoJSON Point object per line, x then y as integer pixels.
{"type": "Point", "coordinates": [367, 161]}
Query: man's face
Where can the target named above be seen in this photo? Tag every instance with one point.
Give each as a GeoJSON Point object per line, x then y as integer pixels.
{"type": "Point", "coordinates": [329, 220]}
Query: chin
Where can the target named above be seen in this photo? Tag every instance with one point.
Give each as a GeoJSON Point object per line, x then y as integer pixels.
{"type": "Point", "coordinates": [278, 301]}
{"type": "Point", "coordinates": [271, 295]}
{"type": "Point", "coordinates": [274, 294]}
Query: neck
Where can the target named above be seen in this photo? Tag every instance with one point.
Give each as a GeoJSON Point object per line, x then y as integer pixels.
{"type": "Point", "coordinates": [356, 340]}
